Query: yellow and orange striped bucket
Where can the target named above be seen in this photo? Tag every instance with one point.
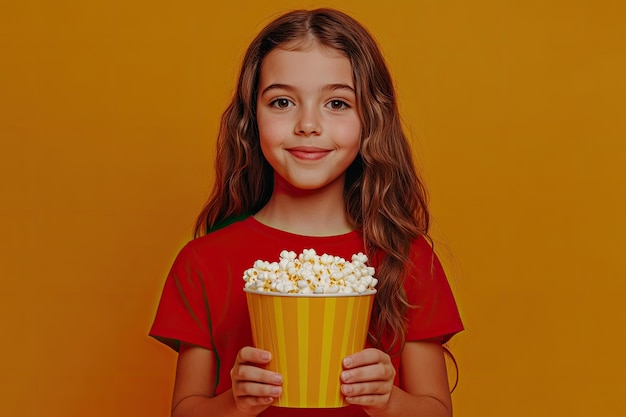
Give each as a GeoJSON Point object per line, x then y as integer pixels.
{"type": "Point", "coordinates": [308, 336]}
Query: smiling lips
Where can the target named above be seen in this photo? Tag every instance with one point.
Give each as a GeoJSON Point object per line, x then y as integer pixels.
{"type": "Point", "coordinates": [308, 153]}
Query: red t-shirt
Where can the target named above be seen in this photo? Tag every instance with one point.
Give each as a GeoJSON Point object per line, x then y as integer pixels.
{"type": "Point", "coordinates": [203, 302]}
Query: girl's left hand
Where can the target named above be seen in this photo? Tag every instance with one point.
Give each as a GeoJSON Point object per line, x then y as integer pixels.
{"type": "Point", "coordinates": [367, 378]}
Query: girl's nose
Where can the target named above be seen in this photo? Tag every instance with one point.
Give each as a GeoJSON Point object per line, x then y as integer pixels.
{"type": "Point", "coordinates": [308, 123]}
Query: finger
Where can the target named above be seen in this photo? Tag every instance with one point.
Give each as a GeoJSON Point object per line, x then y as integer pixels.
{"type": "Point", "coordinates": [252, 402]}
{"type": "Point", "coordinates": [250, 354]}
{"type": "Point", "coordinates": [369, 400]}
{"type": "Point", "coordinates": [365, 357]}
{"type": "Point", "coordinates": [255, 389]}
{"type": "Point", "coordinates": [373, 372]}
{"type": "Point", "coordinates": [253, 405]}
{"type": "Point", "coordinates": [251, 373]}
{"type": "Point", "coordinates": [366, 388]}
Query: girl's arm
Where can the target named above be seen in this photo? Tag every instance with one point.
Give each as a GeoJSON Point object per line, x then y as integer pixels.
{"type": "Point", "coordinates": [253, 388]}
{"type": "Point", "coordinates": [368, 381]}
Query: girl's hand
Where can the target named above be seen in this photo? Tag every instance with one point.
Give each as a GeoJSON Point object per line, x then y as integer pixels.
{"type": "Point", "coordinates": [253, 387]}
{"type": "Point", "coordinates": [367, 379]}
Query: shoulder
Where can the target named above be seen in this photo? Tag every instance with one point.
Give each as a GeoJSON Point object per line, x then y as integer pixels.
{"type": "Point", "coordinates": [421, 246]}
{"type": "Point", "coordinates": [433, 312]}
{"type": "Point", "coordinates": [423, 265]}
{"type": "Point", "coordinates": [218, 244]}
{"type": "Point", "coordinates": [421, 252]}
{"type": "Point", "coordinates": [224, 238]}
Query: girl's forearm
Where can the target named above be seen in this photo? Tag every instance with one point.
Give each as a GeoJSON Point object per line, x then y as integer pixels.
{"type": "Point", "coordinates": [402, 404]}
{"type": "Point", "coordinates": [222, 405]}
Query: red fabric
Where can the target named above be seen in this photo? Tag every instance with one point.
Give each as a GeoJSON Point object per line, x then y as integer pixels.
{"type": "Point", "coordinates": [203, 302]}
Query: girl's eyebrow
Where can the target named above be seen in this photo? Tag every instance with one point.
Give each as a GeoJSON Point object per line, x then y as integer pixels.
{"type": "Point", "coordinates": [327, 87]}
{"type": "Point", "coordinates": [339, 86]}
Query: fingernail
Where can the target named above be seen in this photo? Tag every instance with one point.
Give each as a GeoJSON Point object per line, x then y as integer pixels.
{"type": "Point", "coordinates": [275, 390]}
{"type": "Point", "coordinates": [277, 379]}
{"type": "Point", "coordinates": [265, 356]}
{"type": "Point", "coordinates": [347, 362]}
{"type": "Point", "coordinates": [345, 376]}
{"type": "Point", "coordinates": [346, 389]}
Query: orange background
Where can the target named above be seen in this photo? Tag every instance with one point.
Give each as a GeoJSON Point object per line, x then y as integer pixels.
{"type": "Point", "coordinates": [108, 113]}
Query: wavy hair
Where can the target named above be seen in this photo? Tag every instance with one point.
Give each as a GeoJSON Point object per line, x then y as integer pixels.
{"type": "Point", "coordinates": [384, 196]}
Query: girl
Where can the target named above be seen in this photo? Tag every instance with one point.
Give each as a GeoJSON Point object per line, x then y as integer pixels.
{"type": "Point", "coordinates": [311, 154]}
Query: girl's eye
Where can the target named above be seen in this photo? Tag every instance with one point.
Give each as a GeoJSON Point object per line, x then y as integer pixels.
{"type": "Point", "coordinates": [338, 105]}
{"type": "Point", "coordinates": [281, 103]}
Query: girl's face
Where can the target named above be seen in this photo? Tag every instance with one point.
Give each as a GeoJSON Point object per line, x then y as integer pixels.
{"type": "Point", "coordinates": [309, 126]}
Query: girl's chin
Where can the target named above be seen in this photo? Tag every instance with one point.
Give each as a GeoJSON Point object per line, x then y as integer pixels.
{"type": "Point", "coordinates": [294, 186]}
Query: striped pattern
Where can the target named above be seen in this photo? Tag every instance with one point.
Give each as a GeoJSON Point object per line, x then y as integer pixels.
{"type": "Point", "coordinates": [308, 338]}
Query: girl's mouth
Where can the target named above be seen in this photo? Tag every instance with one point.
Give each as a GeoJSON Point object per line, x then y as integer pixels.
{"type": "Point", "coordinates": [308, 153]}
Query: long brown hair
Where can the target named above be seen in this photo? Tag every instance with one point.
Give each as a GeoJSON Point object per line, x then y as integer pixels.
{"type": "Point", "coordinates": [384, 197]}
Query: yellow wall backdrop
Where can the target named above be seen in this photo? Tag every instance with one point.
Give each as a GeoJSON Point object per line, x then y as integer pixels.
{"type": "Point", "coordinates": [108, 113]}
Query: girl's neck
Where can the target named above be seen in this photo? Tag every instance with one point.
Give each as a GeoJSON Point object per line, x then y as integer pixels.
{"type": "Point", "coordinates": [319, 212]}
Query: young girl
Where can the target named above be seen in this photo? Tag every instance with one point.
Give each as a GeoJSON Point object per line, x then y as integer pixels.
{"type": "Point", "coordinates": [311, 154]}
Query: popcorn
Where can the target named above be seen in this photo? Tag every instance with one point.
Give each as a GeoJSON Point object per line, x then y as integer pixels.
{"type": "Point", "coordinates": [308, 273]}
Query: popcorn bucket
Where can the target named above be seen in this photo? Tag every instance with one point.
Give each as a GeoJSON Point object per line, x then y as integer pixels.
{"type": "Point", "coordinates": [308, 336]}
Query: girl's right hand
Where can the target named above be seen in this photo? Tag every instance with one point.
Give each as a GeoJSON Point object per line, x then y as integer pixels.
{"type": "Point", "coordinates": [254, 388]}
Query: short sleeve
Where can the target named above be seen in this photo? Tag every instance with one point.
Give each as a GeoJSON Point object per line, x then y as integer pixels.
{"type": "Point", "coordinates": [182, 313]}
{"type": "Point", "coordinates": [433, 312]}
